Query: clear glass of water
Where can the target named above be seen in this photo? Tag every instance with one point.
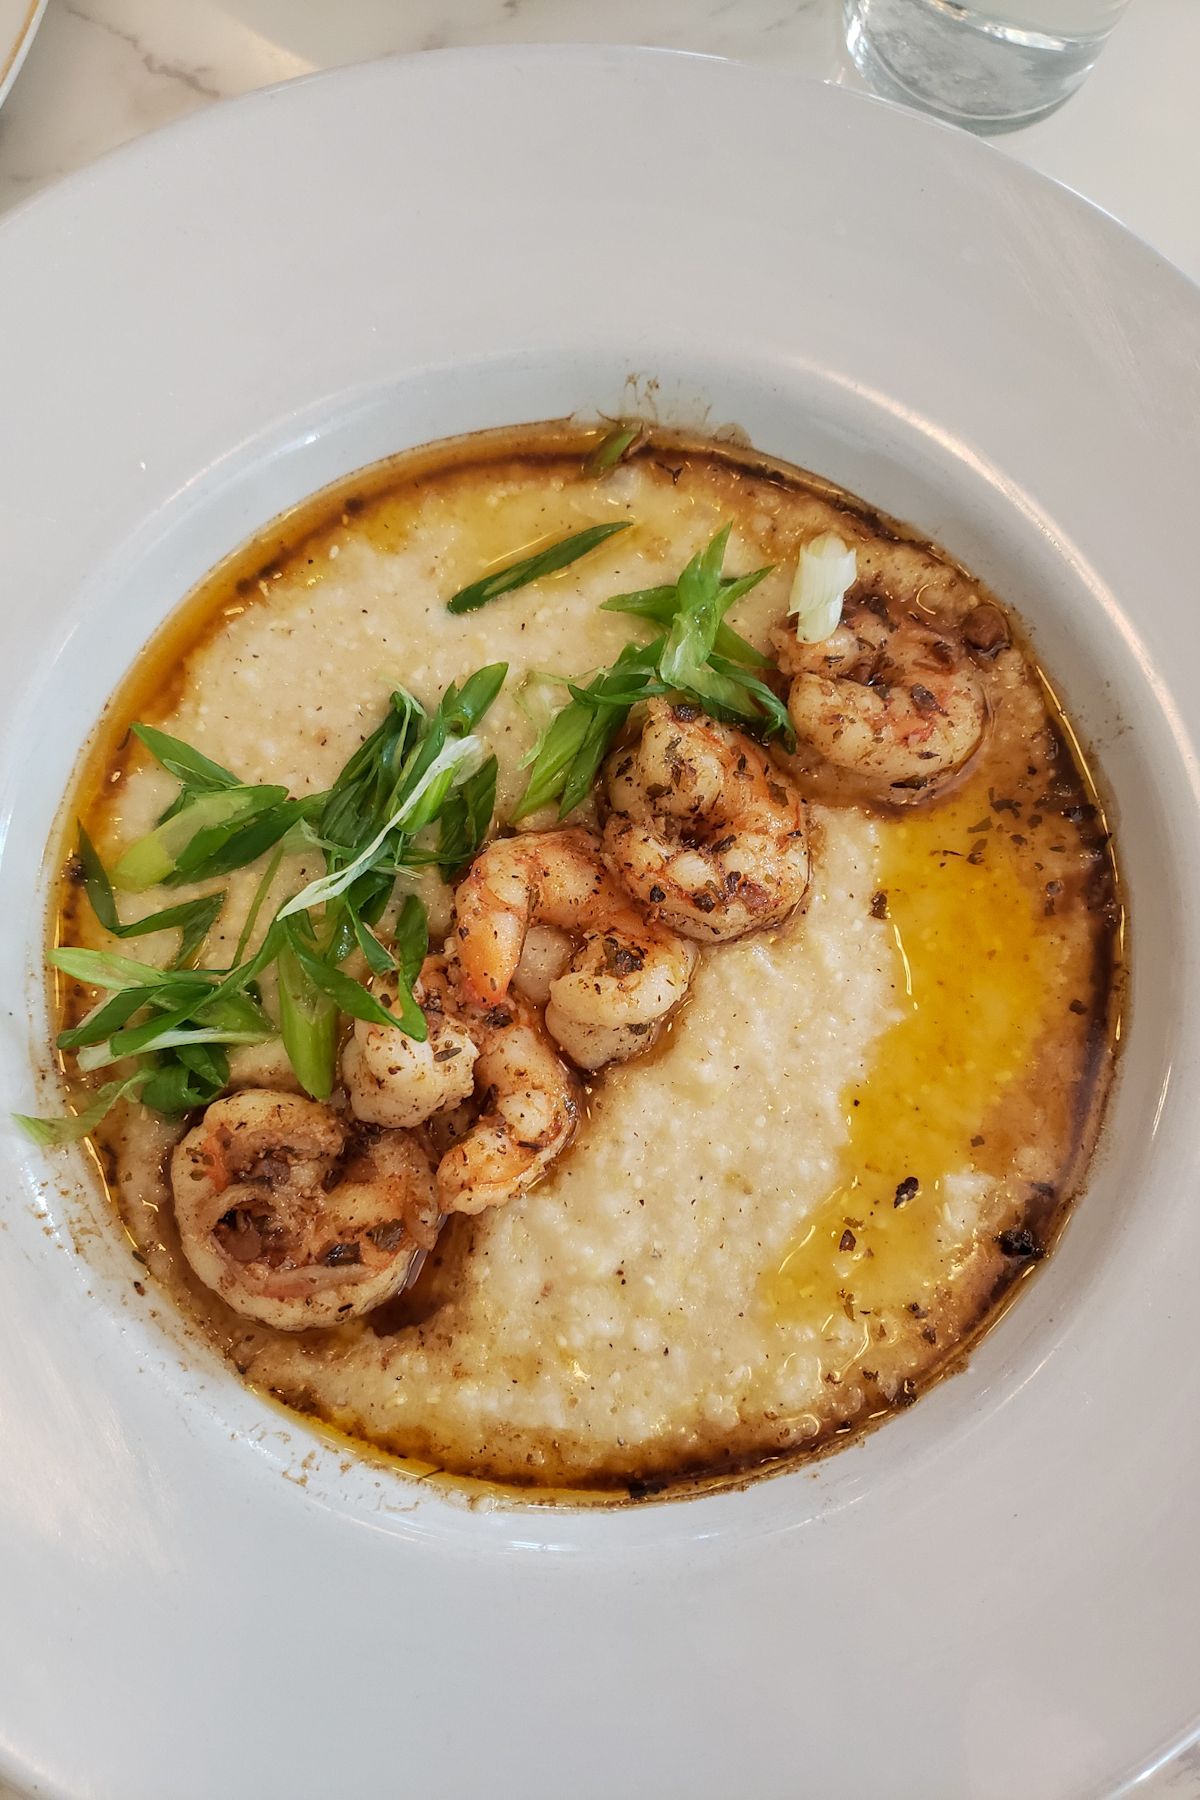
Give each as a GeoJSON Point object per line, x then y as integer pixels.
{"type": "Point", "coordinates": [988, 64]}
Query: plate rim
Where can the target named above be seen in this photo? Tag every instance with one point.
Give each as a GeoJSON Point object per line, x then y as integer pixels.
{"type": "Point", "coordinates": [10, 68]}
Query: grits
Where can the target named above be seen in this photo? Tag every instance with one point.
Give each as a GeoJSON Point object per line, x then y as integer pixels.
{"type": "Point", "coordinates": [729, 1264]}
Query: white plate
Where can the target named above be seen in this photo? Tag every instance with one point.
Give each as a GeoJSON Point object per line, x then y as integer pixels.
{"type": "Point", "coordinates": [997, 1594]}
{"type": "Point", "coordinates": [19, 20]}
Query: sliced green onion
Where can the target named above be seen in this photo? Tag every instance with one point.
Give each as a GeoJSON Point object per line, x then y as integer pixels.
{"type": "Point", "coordinates": [377, 957]}
{"type": "Point", "coordinates": [613, 447]}
{"type": "Point", "coordinates": [73, 1126]}
{"type": "Point", "coordinates": [694, 628]}
{"type": "Point", "coordinates": [538, 695]}
{"type": "Point", "coordinates": [308, 1023]}
{"type": "Point", "coordinates": [359, 797]}
{"type": "Point", "coordinates": [221, 849]}
{"type": "Point", "coordinates": [180, 760]}
{"type": "Point", "coordinates": [462, 708]}
{"type": "Point", "coordinates": [108, 1016]}
{"type": "Point", "coordinates": [454, 763]}
{"type": "Point", "coordinates": [256, 905]}
{"type": "Point", "coordinates": [464, 820]}
{"type": "Point", "coordinates": [532, 568]}
{"type": "Point", "coordinates": [552, 756]}
{"type": "Point", "coordinates": [235, 1019]}
{"type": "Point", "coordinates": [660, 605]}
{"type": "Point", "coordinates": [778, 720]}
{"type": "Point", "coordinates": [358, 1002]}
{"type": "Point", "coordinates": [154, 857]}
{"type": "Point", "coordinates": [569, 751]}
{"type": "Point", "coordinates": [412, 938]}
{"type": "Point", "coordinates": [186, 1078]}
{"type": "Point", "coordinates": [826, 569]}
{"type": "Point", "coordinates": [103, 968]}
{"type": "Point", "coordinates": [192, 918]}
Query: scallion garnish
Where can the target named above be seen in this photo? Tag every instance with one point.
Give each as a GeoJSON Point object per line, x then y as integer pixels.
{"type": "Point", "coordinates": [308, 1019]}
{"type": "Point", "coordinates": [699, 658]}
{"type": "Point", "coordinates": [419, 774]}
{"type": "Point", "coordinates": [73, 1126]}
{"type": "Point", "coordinates": [660, 605]}
{"type": "Point", "coordinates": [531, 568]}
{"type": "Point", "coordinates": [825, 570]}
{"type": "Point", "coordinates": [570, 750]}
{"type": "Point", "coordinates": [192, 918]}
{"type": "Point", "coordinates": [613, 447]}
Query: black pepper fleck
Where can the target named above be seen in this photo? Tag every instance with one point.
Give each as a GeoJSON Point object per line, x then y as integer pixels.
{"type": "Point", "coordinates": [1020, 1242]}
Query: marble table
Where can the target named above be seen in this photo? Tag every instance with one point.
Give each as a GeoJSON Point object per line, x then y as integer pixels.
{"type": "Point", "coordinates": [103, 71]}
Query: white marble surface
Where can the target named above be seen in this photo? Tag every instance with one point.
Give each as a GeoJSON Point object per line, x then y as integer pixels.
{"type": "Point", "coordinates": [103, 71]}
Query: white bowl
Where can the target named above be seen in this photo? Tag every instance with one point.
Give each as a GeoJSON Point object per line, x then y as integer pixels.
{"type": "Point", "coordinates": [19, 20]}
{"type": "Point", "coordinates": [997, 1593]}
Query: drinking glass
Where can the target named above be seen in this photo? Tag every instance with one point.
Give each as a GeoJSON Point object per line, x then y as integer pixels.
{"type": "Point", "coordinates": [987, 64]}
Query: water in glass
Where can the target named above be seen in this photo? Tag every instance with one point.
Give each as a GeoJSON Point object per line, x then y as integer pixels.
{"type": "Point", "coordinates": [989, 64]}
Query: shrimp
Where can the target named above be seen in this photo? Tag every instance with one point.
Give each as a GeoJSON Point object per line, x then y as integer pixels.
{"type": "Point", "coordinates": [394, 1080]}
{"type": "Point", "coordinates": [888, 696]}
{"type": "Point", "coordinates": [625, 979]}
{"type": "Point", "coordinates": [293, 1221]}
{"type": "Point", "coordinates": [703, 827]}
{"type": "Point", "coordinates": [526, 1104]}
{"type": "Point", "coordinates": [530, 1109]}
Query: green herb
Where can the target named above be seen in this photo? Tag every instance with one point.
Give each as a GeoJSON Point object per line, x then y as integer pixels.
{"type": "Point", "coordinates": [256, 905]}
{"type": "Point", "coordinates": [107, 1017]}
{"type": "Point", "coordinates": [532, 568]}
{"type": "Point", "coordinates": [213, 834]}
{"type": "Point", "coordinates": [693, 632]}
{"type": "Point", "coordinates": [72, 1127]}
{"type": "Point", "coordinates": [361, 795]}
{"type": "Point", "coordinates": [411, 938]}
{"type": "Point", "coordinates": [357, 1001]}
{"type": "Point", "coordinates": [192, 1076]}
{"type": "Point", "coordinates": [234, 1019]}
{"type": "Point", "coordinates": [376, 955]}
{"type": "Point", "coordinates": [568, 753]}
{"type": "Point", "coordinates": [215, 824]}
{"type": "Point", "coordinates": [453, 764]}
{"type": "Point", "coordinates": [612, 449]}
{"type": "Point", "coordinates": [415, 773]}
{"type": "Point", "coordinates": [775, 718]}
{"type": "Point", "coordinates": [221, 849]}
{"type": "Point", "coordinates": [699, 658]}
{"type": "Point", "coordinates": [192, 918]}
{"type": "Point", "coordinates": [661, 604]}
{"type": "Point", "coordinates": [179, 759]}
{"type": "Point", "coordinates": [464, 820]}
{"type": "Point", "coordinates": [105, 969]}
{"type": "Point", "coordinates": [308, 1019]}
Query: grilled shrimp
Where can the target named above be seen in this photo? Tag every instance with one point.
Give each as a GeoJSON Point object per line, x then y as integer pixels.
{"type": "Point", "coordinates": [525, 1104]}
{"type": "Point", "coordinates": [888, 696]}
{"type": "Point", "coordinates": [530, 1108]}
{"type": "Point", "coordinates": [392, 1079]}
{"type": "Point", "coordinates": [627, 974]}
{"type": "Point", "coordinates": [703, 828]}
{"type": "Point", "coordinates": [290, 1221]}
